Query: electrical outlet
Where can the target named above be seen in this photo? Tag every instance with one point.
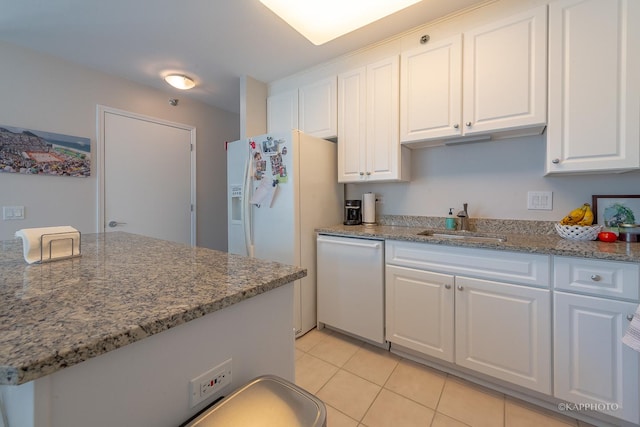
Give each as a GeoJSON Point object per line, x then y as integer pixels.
{"type": "Point", "coordinates": [210, 384]}
{"type": "Point", "coordinates": [540, 200]}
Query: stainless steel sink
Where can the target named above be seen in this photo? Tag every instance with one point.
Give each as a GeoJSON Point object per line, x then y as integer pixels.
{"type": "Point", "coordinates": [464, 235]}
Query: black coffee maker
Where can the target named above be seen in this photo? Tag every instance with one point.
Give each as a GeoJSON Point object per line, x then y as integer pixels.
{"type": "Point", "coordinates": [352, 212]}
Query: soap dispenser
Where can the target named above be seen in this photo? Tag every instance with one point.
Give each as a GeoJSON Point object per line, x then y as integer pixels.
{"type": "Point", "coordinates": [450, 221]}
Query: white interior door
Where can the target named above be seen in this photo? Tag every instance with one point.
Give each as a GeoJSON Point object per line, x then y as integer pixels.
{"type": "Point", "coordinates": [148, 176]}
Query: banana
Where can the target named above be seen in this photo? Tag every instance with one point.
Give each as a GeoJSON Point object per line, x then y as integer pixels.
{"type": "Point", "coordinates": [576, 215]}
{"type": "Point", "coordinates": [587, 219]}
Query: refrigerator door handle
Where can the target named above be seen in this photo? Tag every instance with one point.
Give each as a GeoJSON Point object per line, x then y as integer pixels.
{"type": "Point", "coordinates": [246, 207]}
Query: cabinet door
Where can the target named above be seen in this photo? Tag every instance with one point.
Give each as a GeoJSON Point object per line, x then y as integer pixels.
{"type": "Point", "coordinates": [419, 311]}
{"type": "Point", "coordinates": [382, 132]}
{"type": "Point", "coordinates": [318, 108]}
{"type": "Point", "coordinates": [431, 91]}
{"type": "Point", "coordinates": [504, 331]}
{"type": "Point", "coordinates": [593, 86]}
{"type": "Point", "coordinates": [282, 112]}
{"type": "Point", "coordinates": [505, 74]}
{"type": "Point", "coordinates": [591, 364]}
{"type": "Point", "coordinates": [352, 93]}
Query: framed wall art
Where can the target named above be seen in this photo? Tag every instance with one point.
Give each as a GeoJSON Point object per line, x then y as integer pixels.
{"type": "Point", "coordinates": [613, 210]}
{"type": "Point", "coordinates": [34, 152]}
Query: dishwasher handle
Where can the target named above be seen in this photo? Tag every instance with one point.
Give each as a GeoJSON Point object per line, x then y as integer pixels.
{"type": "Point", "coordinates": [372, 245]}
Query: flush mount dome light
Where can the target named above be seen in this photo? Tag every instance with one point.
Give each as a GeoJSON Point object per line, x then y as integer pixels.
{"type": "Point", "coordinates": [180, 81]}
{"type": "Point", "coordinates": [324, 20]}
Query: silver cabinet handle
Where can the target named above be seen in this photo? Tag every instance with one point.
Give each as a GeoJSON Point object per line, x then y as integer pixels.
{"type": "Point", "coordinates": [113, 224]}
{"type": "Point", "coordinates": [361, 173]}
{"type": "Point", "coordinates": [468, 124]}
{"type": "Point", "coordinates": [456, 126]}
{"type": "Point", "coordinates": [629, 317]}
{"type": "Point", "coordinates": [460, 287]}
{"type": "Point", "coordinates": [596, 278]}
{"type": "Point", "coordinates": [555, 161]}
{"type": "Point", "coordinates": [447, 286]}
{"type": "Point", "coordinates": [368, 173]}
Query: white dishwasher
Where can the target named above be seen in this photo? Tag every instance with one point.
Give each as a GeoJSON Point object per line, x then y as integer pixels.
{"type": "Point", "coordinates": [350, 279]}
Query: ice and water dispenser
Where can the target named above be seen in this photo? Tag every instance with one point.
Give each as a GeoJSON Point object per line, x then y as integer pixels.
{"type": "Point", "coordinates": [236, 203]}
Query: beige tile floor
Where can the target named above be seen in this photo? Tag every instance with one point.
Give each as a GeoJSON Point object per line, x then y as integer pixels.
{"type": "Point", "coordinates": [363, 386]}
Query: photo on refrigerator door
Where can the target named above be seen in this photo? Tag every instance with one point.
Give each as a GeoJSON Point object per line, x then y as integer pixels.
{"type": "Point", "coordinates": [270, 146]}
{"type": "Point", "coordinates": [278, 169]}
{"type": "Point", "coordinates": [260, 166]}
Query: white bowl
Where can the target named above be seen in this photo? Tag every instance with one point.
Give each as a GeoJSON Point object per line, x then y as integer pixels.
{"type": "Point", "coordinates": [578, 232]}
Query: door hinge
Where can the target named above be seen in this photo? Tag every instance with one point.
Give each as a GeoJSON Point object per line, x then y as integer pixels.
{"type": "Point", "coordinates": [191, 208]}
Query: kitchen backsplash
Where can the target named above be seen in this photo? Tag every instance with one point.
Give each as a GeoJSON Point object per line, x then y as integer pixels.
{"type": "Point", "coordinates": [483, 225]}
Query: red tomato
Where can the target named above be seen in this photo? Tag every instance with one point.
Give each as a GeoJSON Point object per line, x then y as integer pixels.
{"type": "Point", "coordinates": [607, 236]}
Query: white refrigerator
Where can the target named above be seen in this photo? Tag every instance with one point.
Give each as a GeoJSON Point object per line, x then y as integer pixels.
{"type": "Point", "coordinates": [281, 187]}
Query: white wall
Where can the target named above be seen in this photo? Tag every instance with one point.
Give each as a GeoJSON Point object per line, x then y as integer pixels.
{"type": "Point", "coordinates": [493, 177]}
{"type": "Point", "coordinates": [45, 93]}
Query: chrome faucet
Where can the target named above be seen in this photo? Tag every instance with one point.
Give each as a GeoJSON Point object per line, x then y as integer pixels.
{"type": "Point", "coordinates": [464, 218]}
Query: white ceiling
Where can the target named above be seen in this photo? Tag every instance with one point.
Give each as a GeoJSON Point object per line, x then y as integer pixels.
{"type": "Point", "coordinates": [214, 41]}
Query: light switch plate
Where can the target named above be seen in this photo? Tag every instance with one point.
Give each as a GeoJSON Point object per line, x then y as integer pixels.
{"type": "Point", "coordinates": [12, 212]}
{"type": "Point", "coordinates": [540, 200]}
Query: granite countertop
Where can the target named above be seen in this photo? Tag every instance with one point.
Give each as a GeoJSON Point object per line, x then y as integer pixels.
{"type": "Point", "coordinates": [521, 236]}
{"type": "Point", "coordinates": [123, 288]}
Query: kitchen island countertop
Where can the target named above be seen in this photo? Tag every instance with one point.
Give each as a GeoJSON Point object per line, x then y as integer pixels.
{"type": "Point", "coordinates": [123, 288]}
{"type": "Point", "coordinates": [550, 244]}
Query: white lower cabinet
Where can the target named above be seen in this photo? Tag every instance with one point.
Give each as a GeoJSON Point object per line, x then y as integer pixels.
{"type": "Point", "coordinates": [504, 330]}
{"type": "Point", "coordinates": [591, 364]}
{"type": "Point", "coordinates": [490, 312]}
{"type": "Point", "coordinates": [419, 313]}
{"type": "Point", "coordinates": [496, 328]}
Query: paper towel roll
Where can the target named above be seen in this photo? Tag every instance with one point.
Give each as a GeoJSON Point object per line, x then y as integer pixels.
{"type": "Point", "coordinates": [369, 208]}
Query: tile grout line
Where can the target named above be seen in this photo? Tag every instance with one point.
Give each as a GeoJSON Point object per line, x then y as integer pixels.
{"type": "Point", "coordinates": [362, 345]}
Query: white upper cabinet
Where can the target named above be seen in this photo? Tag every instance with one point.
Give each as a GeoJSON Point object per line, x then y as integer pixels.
{"type": "Point", "coordinates": [368, 120]}
{"type": "Point", "coordinates": [311, 108]}
{"type": "Point", "coordinates": [494, 84]}
{"type": "Point", "coordinates": [352, 98]}
{"type": "Point", "coordinates": [431, 91]}
{"type": "Point", "coordinates": [317, 108]}
{"type": "Point", "coordinates": [594, 88]}
{"type": "Point", "coordinates": [282, 111]}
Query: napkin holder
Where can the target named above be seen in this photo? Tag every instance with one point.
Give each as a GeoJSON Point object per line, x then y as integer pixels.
{"type": "Point", "coordinates": [48, 240]}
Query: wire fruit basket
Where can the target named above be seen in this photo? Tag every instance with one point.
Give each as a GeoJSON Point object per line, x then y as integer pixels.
{"type": "Point", "coordinates": [578, 232]}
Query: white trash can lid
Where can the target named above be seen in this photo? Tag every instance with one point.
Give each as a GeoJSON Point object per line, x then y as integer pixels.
{"type": "Point", "coordinates": [267, 401]}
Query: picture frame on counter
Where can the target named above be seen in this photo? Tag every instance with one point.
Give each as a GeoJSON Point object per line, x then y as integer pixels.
{"type": "Point", "coordinates": [613, 210]}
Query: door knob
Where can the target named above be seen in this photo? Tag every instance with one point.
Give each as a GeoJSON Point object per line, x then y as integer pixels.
{"type": "Point", "coordinates": [460, 287]}
{"type": "Point", "coordinates": [447, 286]}
{"type": "Point", "coordinates": [113, 224]}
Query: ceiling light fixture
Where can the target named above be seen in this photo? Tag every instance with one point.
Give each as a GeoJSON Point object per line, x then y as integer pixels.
{"type": "Point", "coordinates": [323, 20]}
{"type": "Point", "coordinates": [180, 81]}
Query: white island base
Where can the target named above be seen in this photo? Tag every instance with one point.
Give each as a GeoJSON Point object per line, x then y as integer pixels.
{"type": "Point", "coordinates": [146, 383]}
